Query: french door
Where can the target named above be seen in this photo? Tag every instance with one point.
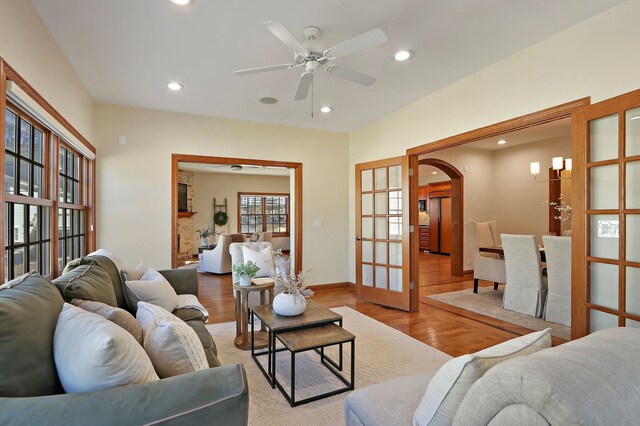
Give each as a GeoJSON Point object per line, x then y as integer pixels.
{"type": "Point", "coordinates": [606, 269]}
{"type": "Point", "coordinates": [382, 232]}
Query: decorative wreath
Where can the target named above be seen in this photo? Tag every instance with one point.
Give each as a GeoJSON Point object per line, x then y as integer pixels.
{"type": "Point", "coordinates": [220, 218]}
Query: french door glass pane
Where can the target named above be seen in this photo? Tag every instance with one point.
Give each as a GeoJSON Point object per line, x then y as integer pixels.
{"type": "Point", "coordinates": [603, 140]}
{"type": "Point", "coordinates": [381, 178]}
{"type": "Point", "coordinates": [366, 182]}
{"type": "Point", "coordinates": [395, 279]}
{"type": "Point", "coordinates": [604, 187]}
{"type": "Point", "coordinates": [381, 227]}
{"type": "Point", "coordinates": [395, 254]}
{"type": "Point", "coordinates": [381, 277]}
{"type": "Point", "coordinates": [603, 285]}
{"type": "Point", "coordinates": [600, 320]}
{"type": "Point", "coordinates": [367, 204]}
{"type": "Point", "coordinates": [633, 184]}
{"type": "Point", "coordinates": [381, 252]}
{"type": "Point", "coordinates": [395, 202]}
{"type": "Point", "coordinates": [631, 323]}
{"type": "Point", "coordinates": [367, 275]}
{"type": "Point", "coordinates": [632, 132]}
{"type": "Point", "coordinates": [633, 290]}
{"type": "Point", "coordinates": [367, 227]}
{"type": "Point", "coordinates": [395, 228]}
{"type": "Point", "coordinates": [395, 177]}
{"type": "Point", "coordinates": [605, 232]}
{"type": "Point", "coordinates": [381, 203]}
{"type": "Point", "coordinates": [367, 251]}
{"type": "Point", "coordinates": [633, 238]}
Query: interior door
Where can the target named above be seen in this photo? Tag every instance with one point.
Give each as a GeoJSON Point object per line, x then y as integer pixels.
{"type": "Point", "coordinates": [445, 225]}
{"type": "Point", "coordinates": [606, 215]}
{"type": "Point", "coordinates": [382, 232]}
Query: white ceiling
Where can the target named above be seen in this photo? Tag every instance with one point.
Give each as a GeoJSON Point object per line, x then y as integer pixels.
{"type": "Point", "coordinates": [554, 129]}
{"type": "Point", "coordinates": [125, 51]}
{"type": "Point", "coordinates": [226, 168]}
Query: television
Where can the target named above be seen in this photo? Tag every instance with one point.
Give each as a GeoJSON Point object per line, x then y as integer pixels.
{"type": "Point", "coordinates": [182, 197]}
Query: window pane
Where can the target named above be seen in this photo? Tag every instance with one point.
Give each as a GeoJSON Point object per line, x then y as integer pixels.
{"type": "Point", "coordinates": [82, 249]}
{"type": "Point", "coordinates": [34, 258]}
{"type": "Point", "coordinates": [633, 132]}
{"type": "Point", "coordinates": [68, 255]}
{"type": "Point", "coordinates": [46, 255]}
{"type": "Point", "coordinates": [605, 233]}
{"type": "Point", "coordinates": [633, 291]}
{"type": "Point", "coordinates": [366, 180]}
{"type": "Point", "coordinates": [61, 190]}
{"type": "Point", "coordinates": [38, 142]}
{"type": "Point", "coordinates": [76, 167]}
{"type": "Point", "coordinates": [34, 226]}
{"type": "Point", "coordinates": [381, 178]}
{"type": "Point", "coordinates": [603, 138]}
{"type": "Point", "coordinates": [76, 198]}
{"type": "Point", "coordinates": [599, 320]}
{"type": "Point", "coordinates": [69, 164]}
{"type": "Point", "coordinates": [395, 177]}
{"type": "Point", "coordinates": [633, 184]}
{"type": "Point", "coordinates": [62, 163]}
{"type": "Point", "coordinates": [69, 190]}
{"type": "Point", "coordinates": [10, 131]}
{"type": "Point", "coordinates": [60, 223]}
{"type": "Point", "coordinates": [18, 224]}
{"type": "Point", "coordinates": [25, 139]}
{"type": "Point", "coordinates": [604, 187]}
{"type": "Point", "coordinates": [45, 219]}
{"type": "Point", "coordinates": [60, 255]}
{"type": "Point", "coordinates": [18, 262]}
{"type": "Point", "coordinates": [81, 227]}
{"type": "Point", "coordinates": [6, 266]}
{"type": "Point", "coordinates": [25, 169]}
{"type": "Point", "coordinates": [633, 242]}
{"type": "Point", "coordinates": [603, 285]}
{"type": "Point", "coordinates": [37, 181]}
{"type": "Point", "coordinates": [9, 174]}
{"type": "Point", "coordinates": [68, 223]}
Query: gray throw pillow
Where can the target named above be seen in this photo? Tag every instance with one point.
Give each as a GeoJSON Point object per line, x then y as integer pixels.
{"type": "Point", "coordinates": [87, 282]}
{"type": "Point", "coordinates": [29, 309]}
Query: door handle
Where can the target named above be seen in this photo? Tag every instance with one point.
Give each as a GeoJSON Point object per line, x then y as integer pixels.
{"type": "Point", "coordinates": [358, 238]}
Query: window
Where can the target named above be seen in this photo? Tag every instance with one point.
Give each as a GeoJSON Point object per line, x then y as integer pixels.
{"type": "Point", "coordinates": [68, 176]}
{"type": "Point", "coordinates": [71, 235]}
{"type": "Point", "coordinates": [28, 244]}
{"type": "Point", "coordinates": [263, 213]}
{"type": "Point", "coordinates": [23, 156]}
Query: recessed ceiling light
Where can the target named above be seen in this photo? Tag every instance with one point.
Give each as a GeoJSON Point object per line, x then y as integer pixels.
{"type": "Point", "coordinates": [267, 100]}
{"type": "Point", "coordinates": [172, 85]}
{"type": "Point", "coordinates": [502, 142]}
{"type": "Point", "coordinates": [403, 55]}
{"type": "Point", "coordinates": [434, 173]}
{"type": "Point", "coordinates": [326, 109]}
{"type": "Point", "coordinates": [182, 2]}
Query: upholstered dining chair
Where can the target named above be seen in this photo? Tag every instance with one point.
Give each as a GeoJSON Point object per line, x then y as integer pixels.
{"type": "Point", "coordinates": [218, 260]}
{"type": "Point", "coordinates": [257, 250]}
{"type": "Point", "coordinates": [257, 237]}
{"type": "Point", "coordinates": [558, 254]}
{"type": "Point", "coordinates": [526, 288]}
{"type": "Point", "coordinates": [484, 268]}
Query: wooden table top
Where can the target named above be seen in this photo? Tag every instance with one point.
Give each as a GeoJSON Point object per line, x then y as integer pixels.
{"type": "Point", "coordinates": [314, 337]}
{"type": "Point", "coordinates": [314, 314]}
{"type": "Point", "coordinates": [500, 251]}
{"type": "Point", "coordinates": [265, 285]}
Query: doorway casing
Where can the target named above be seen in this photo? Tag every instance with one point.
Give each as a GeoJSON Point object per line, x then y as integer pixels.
{"type": "Point", "coordinates": [297, 206]}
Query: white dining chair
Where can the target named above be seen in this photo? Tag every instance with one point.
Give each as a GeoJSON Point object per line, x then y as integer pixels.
{"type": "Point", "coordinates": [526, 288]}
{"type": "Point", "coordinates": [558, 253]}
{"type": "Point", "coordinates": [484, 268]}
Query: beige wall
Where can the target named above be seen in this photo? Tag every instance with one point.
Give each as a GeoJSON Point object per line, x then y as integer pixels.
{"type": "Point", "coordinates": [134, 180]}
{"type": "Point", "coordinates": [595, 58]}
{"type": "Point", "coordinates": [206, 186]}
{"type": "Point", "coordinates": [28, 46]}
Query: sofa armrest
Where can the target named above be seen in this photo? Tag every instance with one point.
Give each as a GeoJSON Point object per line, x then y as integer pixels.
{"type": "Point", "coordinates": [217, 395]}
{"type": "Point", "coordinates": [184, 281]}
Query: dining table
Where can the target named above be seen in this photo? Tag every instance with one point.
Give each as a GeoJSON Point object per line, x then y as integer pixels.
{"type": "Point", "coordinates": [499, 250]}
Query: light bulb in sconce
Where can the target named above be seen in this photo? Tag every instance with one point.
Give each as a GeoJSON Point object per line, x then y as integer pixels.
{"type": "Point", "coordinates": [568, 164]}
{"type": "Point", "coordinates": [556, 163]}
{"type": "Point", "coordinates": [535, 168]}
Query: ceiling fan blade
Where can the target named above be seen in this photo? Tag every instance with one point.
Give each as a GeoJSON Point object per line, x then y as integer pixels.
{"type": "Point", "coordinates": [361, 42]}
{"type": "Point", "coordinates": [351, 75]}
{"type": "Point", "coordinates": [264, 69]}
{"type": "Point", "coordinates": [303, 86]}
{"type": "Point", "coordinates": [286, 37]}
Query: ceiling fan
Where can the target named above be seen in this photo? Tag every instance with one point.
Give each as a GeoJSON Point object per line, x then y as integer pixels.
{"type": "Point", "coordinates": [313, 57]}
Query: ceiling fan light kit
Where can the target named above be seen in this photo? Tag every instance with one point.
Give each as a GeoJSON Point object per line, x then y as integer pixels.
{"type": "Point", "coordinates": [310, 55]}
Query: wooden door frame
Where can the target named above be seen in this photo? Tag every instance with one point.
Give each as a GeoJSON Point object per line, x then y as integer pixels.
{"type": "Point", "coordinates": [457, 210]}
{"type": "Point", "coordinates": [203, 159]}
{"type": "Point", "coordinates": [547, 115]}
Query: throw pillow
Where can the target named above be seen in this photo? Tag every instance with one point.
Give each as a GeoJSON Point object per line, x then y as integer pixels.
{"type": "Point", "coordinates": [116, 315]}
{"type": "Point", "coordinates": [263, 259]}
{"type": "Point", "coordinates": [29, 308]}
{"type": "Point", "coordinates": [173, 346]}
{"type": "Point", "coordinates": [151, 287]}
{"type": "Point", "coordinates": [450, 384]}
{"type": "Point", "coordinates": [87, 282]}
{"type": "Point", "coordinates": [92, 353]}
{"type": "Point", "coordinates": [108, 253]}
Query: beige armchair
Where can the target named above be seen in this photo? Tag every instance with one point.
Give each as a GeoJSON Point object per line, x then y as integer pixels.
{"type": "Point", "coordinates": [218, 260]}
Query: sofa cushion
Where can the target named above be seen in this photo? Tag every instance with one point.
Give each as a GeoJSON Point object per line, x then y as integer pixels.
{"type": "Point", "coordinates": [117, 316]}
{"type": "Point", "coordinates": [87, 282]}
{"type": "Point", "coordinates": [173, 346]}
{"type": "Point", "coordinates": [145, 284]}
{"type": "Point", "coordinates": [92, 353]}
{"type": "Point", "coordinates": [29, 308]}
{"type": "Point", "coordinates": [108, 265]}
{"type": "Point", "coordinates": [452, 381]}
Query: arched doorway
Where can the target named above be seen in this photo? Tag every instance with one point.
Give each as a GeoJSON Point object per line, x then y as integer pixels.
{"type": "Point", "coordinates": [457, 202]}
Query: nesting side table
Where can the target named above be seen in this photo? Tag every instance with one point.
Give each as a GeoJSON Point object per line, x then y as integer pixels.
{"type": "Point", "coordinates": [261, 338]}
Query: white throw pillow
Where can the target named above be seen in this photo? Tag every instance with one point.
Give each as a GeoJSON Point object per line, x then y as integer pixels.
{"type": "Point", "coordinates": [173, 346]}
{"type": "Point", "coordinates": [151, 287]}
{"type": "Point", "coordinates": [112, 256]}
{"type": "Point", "coordinates": [451, 383]}
{"type": "Point", "coordinates": [92, 353]}
{"type": "Point", "coordinates": [263, 259]}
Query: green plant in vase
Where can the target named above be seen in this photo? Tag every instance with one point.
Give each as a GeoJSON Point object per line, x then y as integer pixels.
{"type": "Point", "coordinates": [203, 234]}
{"type": "Point", "coordinates": [245, 271]}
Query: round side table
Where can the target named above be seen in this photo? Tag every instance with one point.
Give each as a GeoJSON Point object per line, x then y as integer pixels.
{"type": "Point", "coordinates": [243, 337]}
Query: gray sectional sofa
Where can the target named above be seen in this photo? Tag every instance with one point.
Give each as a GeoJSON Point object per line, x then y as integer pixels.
{"type": "Point", "coordinates": [30, 392]}
{"type": "Point", "coordinates": [594, 380]}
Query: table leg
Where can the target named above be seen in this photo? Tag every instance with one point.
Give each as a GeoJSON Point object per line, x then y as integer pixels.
{"type": "Point", "coordinates": [238, 315]}
{"type": "Point", "coordinates": [293, 378]}
{"type": "Point", "coordinates": [263, 301]}
{"type": "Point", "coordinates": [245, 319]}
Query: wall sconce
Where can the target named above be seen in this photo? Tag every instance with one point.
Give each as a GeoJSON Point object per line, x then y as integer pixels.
{"type": "Point", "coordinates": [557, 164]}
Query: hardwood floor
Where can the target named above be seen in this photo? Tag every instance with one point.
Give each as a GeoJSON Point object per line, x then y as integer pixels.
{"type": "Point", "coordinates": [444, 327]}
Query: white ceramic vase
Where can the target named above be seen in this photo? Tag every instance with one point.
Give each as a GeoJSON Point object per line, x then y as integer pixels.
{"type": "Point", "coordinates": [204, 242]}
{"type": "Point", "coordinates": [289, 305]}
{"type": "Point", "coordinates": [245, 280]}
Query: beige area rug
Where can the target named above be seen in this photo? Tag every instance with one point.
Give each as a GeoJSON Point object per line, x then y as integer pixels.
{"type": "Point", "coordinates": [382, 353]}
{"type": "Point", "coordinates": [489, 302]}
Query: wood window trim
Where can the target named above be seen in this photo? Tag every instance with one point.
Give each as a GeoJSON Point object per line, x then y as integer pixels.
{"type": "Point", "coordinates": [264, 213]}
